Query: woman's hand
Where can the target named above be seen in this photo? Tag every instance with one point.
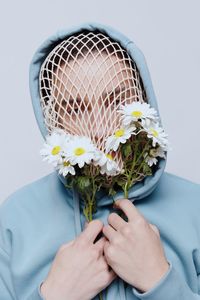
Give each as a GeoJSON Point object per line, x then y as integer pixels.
{"type": "Point", "coordinates": [79, 270]}
{"type": "Point", "coordinates": [133, 249]}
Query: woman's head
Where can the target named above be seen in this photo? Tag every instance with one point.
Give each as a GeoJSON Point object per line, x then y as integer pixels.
{"type": "Point", "coordinates": [83, 81]}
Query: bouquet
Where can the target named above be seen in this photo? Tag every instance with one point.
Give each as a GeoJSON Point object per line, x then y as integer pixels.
{"type": "Point", "coordinates": [130, 155]}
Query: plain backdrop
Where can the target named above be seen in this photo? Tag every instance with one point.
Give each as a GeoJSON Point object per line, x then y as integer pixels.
{"type": "Point", "coordinates": [168, 33]}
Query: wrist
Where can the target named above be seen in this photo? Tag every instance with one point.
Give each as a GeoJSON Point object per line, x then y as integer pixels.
{"type": "Point", "coordinates": [48, 291]}
{"type": "Point", "coordinates": [155, 279]}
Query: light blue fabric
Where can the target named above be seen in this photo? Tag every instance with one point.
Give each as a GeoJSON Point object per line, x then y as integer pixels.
{"type": "Point", "coordinates": [38, 218]}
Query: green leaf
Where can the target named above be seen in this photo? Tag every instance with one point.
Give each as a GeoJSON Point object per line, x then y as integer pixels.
{"type": "Point", "coordinates": [147, 169]}
{"type": "Point", "coordinates": [121, 182]}
{"type": "Point", "coordinates": [126, 149]}
{"type": "Point", "coordinates": [111, 192]}
{"type": "Point", "coordinates": [83, 182]}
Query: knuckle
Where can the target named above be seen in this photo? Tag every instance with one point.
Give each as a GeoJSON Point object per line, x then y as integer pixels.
{"type": "Point", "coordinates": [97, 222]}
{"type": "Point", "coordinates": [141, 222]}
{"type": "Point", "coordinates": [117, 241]}
{"type": "Point", "coordinates": [126, 230]}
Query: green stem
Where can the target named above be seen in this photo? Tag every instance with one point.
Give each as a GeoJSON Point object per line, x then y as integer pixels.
{"type": "Point", "coordinates": [100, 296]}
{"type": "Point", "coordinates": [89, 207]}
{"type": "Point", "coordinates": [127, 185]}
{"type": "Point", "coordinates": [130, 180]}
{"type": "Point", "coordinates": [143, 151]}
{"type": "Point", "coordinates": [126, 190]}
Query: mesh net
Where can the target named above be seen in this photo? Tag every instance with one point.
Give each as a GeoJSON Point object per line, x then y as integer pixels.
{"type": "Point", "coordinates": [83, 82]}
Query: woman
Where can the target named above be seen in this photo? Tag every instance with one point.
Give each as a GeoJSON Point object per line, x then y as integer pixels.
{"type": "Point", "coordinates": [46, 253]}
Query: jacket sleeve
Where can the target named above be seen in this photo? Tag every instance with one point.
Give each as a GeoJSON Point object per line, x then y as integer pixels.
{"type": "Point", "coordinates": [170, 287]}
{"type": "Point", "coordinates": [6, 285]}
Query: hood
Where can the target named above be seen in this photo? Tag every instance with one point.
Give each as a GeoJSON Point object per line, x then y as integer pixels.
{"type": "Point", "coordinates": [140, 189]}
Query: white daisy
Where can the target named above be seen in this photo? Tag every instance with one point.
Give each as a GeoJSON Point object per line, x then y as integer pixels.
{"type": "Point", "coordinates": [157, 134]}
{"type": "Point", "coordinates": [107, 164]}
{"type": "Point", "coordinates": [80, 150]}
{"type": "Point", "coordinates": [65, 167]}
{"type": "Point", "coordinates": [120, 136]}
{"type": "Point", "coordinates": [159, 151]}
{"type": "Point", "coordinates": [151, 158]}
{"type": "Point", "coordinates": [53, 148]}
{"type": "Point", "coordinates": [136, 111]}
{"type": "Point", "coordinates": [60, 131]}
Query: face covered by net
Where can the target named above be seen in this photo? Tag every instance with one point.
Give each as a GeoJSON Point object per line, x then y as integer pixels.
{"type": "Point", "coordinates": [83, 82]}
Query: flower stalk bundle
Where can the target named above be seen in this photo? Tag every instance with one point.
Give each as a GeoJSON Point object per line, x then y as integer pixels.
{"type": "Point", "coordinates": [139, 142]}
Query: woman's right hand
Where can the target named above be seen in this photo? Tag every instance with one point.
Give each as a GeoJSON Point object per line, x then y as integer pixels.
{"type": "Point", "coordinates": [79, 269]}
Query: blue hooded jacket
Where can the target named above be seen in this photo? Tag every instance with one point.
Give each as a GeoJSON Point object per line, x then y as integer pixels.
{"type": "Point", "coordinates": [38, 218]}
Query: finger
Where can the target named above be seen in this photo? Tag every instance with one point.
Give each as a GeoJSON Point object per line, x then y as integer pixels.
{"type": "Point", "coordinates": [108, 272]}
{"type": "Point", "coordinates": [103, 262]}
{"type": "Point", "coordinates": [111, 275]}
{"type": "Point", "coordinates": [100, 245]}
{"type": "Point", "coordinates": [93, 229]}
{"type": "Point", "coordinates": [107, 244]}
{"type": "Point", "coordinates": [109, 232]}
{"type": "Point", "coordinates": [128, 208]}
{"type": "Point", "coordinates": [116, 221]}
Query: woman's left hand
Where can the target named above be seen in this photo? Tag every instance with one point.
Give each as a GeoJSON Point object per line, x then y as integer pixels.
{"type": "Point", "coordinates": [134, 249]}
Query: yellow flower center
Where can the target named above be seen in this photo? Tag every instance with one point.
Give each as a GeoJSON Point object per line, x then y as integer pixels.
{"type": "Point", "coordinates": [79, 151]}
{"type": "Point", "coordinates": [136, 113]}
{"type": "Point", "coordinates": [109, 156]}
{"type": "Point", "coordinates": [119, 133]}
{"type": "Point", "coordinates": [66, 163]}
{"type": "Point", "coordinates": [154, 132]}
{"type": "Point", "coordinates": [55, 150]}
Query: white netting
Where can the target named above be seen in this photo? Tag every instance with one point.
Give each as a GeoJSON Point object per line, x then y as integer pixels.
{"type": "Point", "coordinates": [83, 81]}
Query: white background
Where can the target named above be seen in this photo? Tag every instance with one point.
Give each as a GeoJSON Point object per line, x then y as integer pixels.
{"type": "Point", "coordinates": [168, 33]}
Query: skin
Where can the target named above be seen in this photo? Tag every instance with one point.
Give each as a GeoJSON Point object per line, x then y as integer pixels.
{"type": "Point", "coordinates": [79, 269]}
{"type": "Point", "coordinates": [132, 249]}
